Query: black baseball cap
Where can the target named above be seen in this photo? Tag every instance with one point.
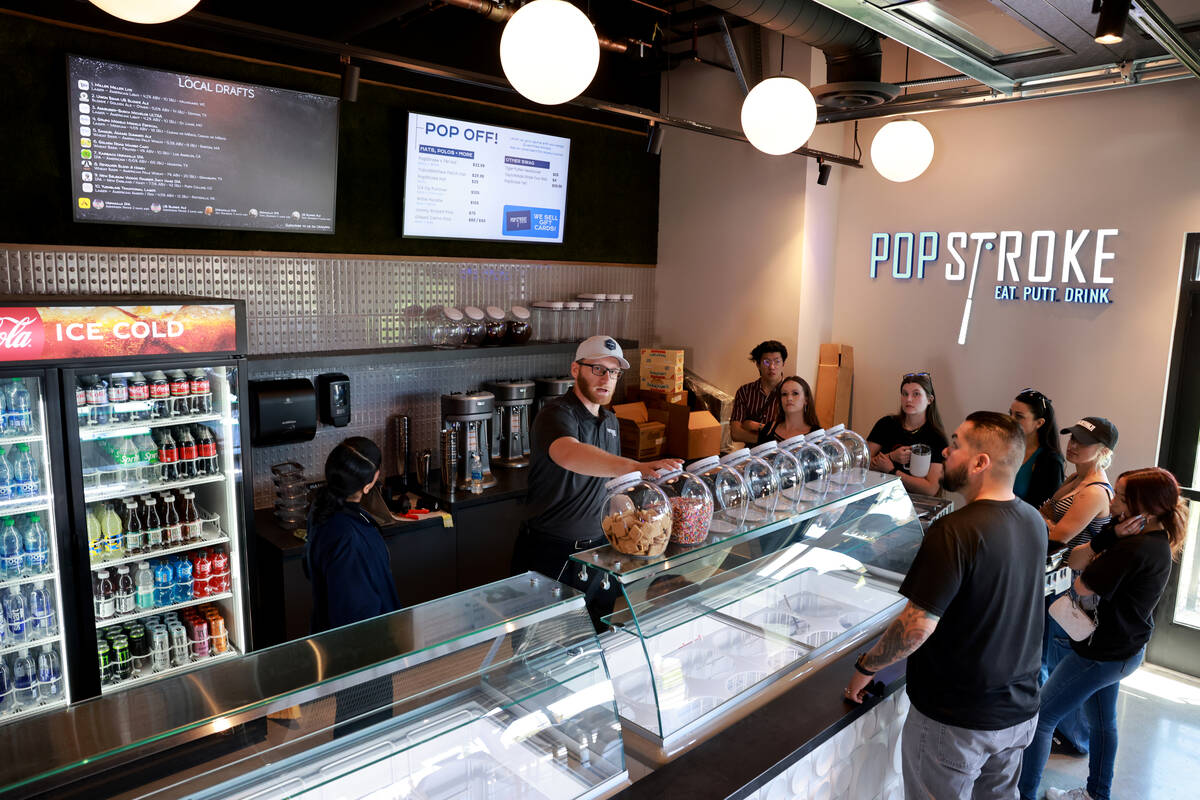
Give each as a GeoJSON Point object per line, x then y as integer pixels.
{"type": "Point", "coordinates": [1094, 430]}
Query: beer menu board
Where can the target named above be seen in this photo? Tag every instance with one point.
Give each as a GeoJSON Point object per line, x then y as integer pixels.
{"type": "Point", "coordinates": [167, 148]}
{"type": "Point", "coordinates": [469, 181]}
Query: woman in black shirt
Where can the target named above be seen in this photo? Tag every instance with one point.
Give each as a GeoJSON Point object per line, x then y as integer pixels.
{"type": "Point", "coordinates": [917, 422]}
{"type": "Point", "coordinates": [1125, 570]}
{"type": "Point", "coordinates": [797, 414]}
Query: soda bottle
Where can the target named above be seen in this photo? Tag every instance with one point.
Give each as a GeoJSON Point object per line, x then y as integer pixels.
{"type": "Point", "coordinates": [193, 526]}
{"type": "Point", "coordinates": [186, 446]}
{"type": "Point", "coordinates": [11, 559]}
{"type": "Point", "coordinates": [148, 456]}
{"type": "Point", "coordinates": [164, 584]}
{"type": "Point", "coordinates": [36, 546]}
{"type": "Point", "coordinates": [139, 397]}
{"type": "Point", "coordinates": [7, 698]}
{"type": "Point", "coordinates": [81, 406]}
{"type": "Point", "coordinates": [206, 451]}
{"type": "Point", "coordinates": [26, 477]}
{"type": "Point", "coordinates": [99, 410]}
{"type": "Point", "coordinates": [219, 582]}
{"type": "Point", "coordinates": [14, 617]}
{"type": "Point", "coordinates": [135, 537]}
{"type": "Point", "coordinates": [118, 398]}
{"type": "Point", "coordinates": [127, 458]}
{"type": "Point", "coordinates": [153, 525]}
{"type": "Point", "coordinates": [143, 586]}
{"type": "Point", "coordinates": [172, 526]}
{"type": "Point", "coordinates": [19, 420]}
{"type": "Point", "coordinates": [114, 532]}
{"type": "Point", "coordinates": [103, 596]}
{"type": "Point", "coordinates": [39, 605]}
{"type": "Point", "coordinates": [183, 580]}
{"type": "Point", "coordinates": [25, 682]}
{"type": "Point", "coordinates": [6, 478]}
{"type": "Point", "coordinates": [181, 390]}
{"type": "Point", "coordinates": [160, 395]}
{"type": "Point", "coordinates": [124, 598]}
{"type": "Point", "coordinates": [49, 674]}
{"type": "Point", "coordinates": [168, 455]}
{"type": "Point", "coordinates": [201, 392]}
{"type": "Point", "coordinates": [202, 574]}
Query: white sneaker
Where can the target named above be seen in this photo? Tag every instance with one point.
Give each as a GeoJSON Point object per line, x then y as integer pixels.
{"type": "Point", "coordinates": [1068, 794]}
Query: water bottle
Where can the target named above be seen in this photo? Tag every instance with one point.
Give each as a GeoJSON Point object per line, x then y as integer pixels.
{"type": "Point", "coordinates": [183, 580]}
{"type": "Point", "coordinates": [164, 584]}
{"type": "Point", "coordinates": [7, 699]}
{"type": "Point", "coordinates": [3, 413]}
{"type": "Point", "coordinates": [148, 455]}
{"type": "Point", "coordinates": [36, 546]}
{"type": "Point", "coordinates": [14, 617]}
{"type": "Point", "coordinates": [39, 605]}
{"type": "Point", "coordinates": [124, 602]}
{"type": "Point", "coordinates": [25, 682]}
{"type": "Point", "coordinates": [20, 409]}
{"type": "Point", "coordinates": [49, 674]}
{"type": "Point", "coordinates": [476, 473]}
{"type": "Point", "coordinates": [26, 481]}
{"type": "Point", "coordinates": [103, 596]}
{"type": "Point", "coordinates": [143, 583]}
{"type": "Point", "coordinates": [6, 487]}
{"type": "Point", "coordinates": [11, 559]}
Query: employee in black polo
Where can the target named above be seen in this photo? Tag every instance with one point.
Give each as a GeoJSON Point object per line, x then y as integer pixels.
{"type": "Point", "coordinates": [576, 448]}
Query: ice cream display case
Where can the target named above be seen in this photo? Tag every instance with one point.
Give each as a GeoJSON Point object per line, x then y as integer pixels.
{"type": "Point", "coordinates": [497, 692]}
{"type": "Point", "coordinates": [702, 635]}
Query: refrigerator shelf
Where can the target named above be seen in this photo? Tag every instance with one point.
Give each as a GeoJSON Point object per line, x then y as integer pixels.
{"type": "Point", "coordinates": [43, 576]}
{"type": "Point", "coordinates": [6, 440]}
{"type": "Point", "coordinates": [9, 716]}
{"type": "Point", "coordinates": [91, 433]}
{"type": "Point", "coordinates": [21, 505]}
{"type": "Point", "coordinates": [205, 541]}
{"type": "Point", "coordinates": [147, 612]}
{"type": "Point", "coordinates": [230, 652]}
{"type": "Point", "coordinates": [30, 646]}
{"type": "Point", "coordinates": [112, 492]}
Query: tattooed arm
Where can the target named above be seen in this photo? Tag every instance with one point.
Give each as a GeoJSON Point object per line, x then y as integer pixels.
{"type": "Point", "coordinates": [901, 639]}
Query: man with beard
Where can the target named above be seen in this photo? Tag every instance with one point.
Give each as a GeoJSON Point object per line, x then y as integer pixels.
{"type": "Point", "coordinates": [575, 448]}
{"type": "Point", "coordinates": [972, 628]}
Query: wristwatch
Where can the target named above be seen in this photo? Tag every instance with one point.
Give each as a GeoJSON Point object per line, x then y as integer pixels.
{"type": "Point", "coordinates": [861, 669]}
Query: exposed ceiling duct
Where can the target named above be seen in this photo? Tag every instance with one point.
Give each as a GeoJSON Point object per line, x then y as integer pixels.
{"type": "Point", "coordinates": [853, 55]}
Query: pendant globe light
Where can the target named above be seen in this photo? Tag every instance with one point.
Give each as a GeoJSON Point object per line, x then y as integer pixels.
{"type": "Point", "coordinates": [147, 12]}
{"type": "Point", "coordinates": [779, 114]}
{"type": "Point", "coordinates": [549, 51]}
{"type": "Point", "coordinates": [902, 150]}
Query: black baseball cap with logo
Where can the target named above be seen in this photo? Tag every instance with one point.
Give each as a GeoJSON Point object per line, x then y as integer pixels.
{"type": "Point", "coordinates": [1094, 430]}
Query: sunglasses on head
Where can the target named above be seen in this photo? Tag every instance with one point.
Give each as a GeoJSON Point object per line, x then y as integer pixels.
{"type": "Point", "coordinates": [916, 375]}
{"type": "Point", "coordinates": [1043, 401]}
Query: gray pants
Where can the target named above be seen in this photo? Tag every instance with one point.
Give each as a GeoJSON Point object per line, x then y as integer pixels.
{"type": "Point", "coordinates": [942, 762]}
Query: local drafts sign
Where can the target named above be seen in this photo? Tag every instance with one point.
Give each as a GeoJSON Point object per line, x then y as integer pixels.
{"type": "Point", "coordinates": [44, 333]}
{"type": "Point", "coordinates": [1041, 267]}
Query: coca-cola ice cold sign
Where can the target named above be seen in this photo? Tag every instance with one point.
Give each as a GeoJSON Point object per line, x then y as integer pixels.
{"type": "Point", "coordinates": [51, 333]}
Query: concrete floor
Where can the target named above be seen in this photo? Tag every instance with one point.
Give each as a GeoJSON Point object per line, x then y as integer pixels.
{"type": "Point", "coordinates": [1158, 751]}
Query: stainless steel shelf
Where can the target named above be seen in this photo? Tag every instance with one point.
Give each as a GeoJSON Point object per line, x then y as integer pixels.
{"type": "Point", "coordinates": [230, 653]}
{"type": "Point", "coordinates": [11, 508]}
{"type": "Point", "coordinates": [13, 648]}
{"type": "Point", "coordinates": [5, 440]}
{"type": "Point", "coordinates": [110, 563]}
{"type": "Point", "coordinates": [147, 612]}
{"type": "Point", "coordinates": [44, 576]}
{"type": "Point", "coordinates": [91, 433]}
{"type": "Point", "coordinates": [103, 493]}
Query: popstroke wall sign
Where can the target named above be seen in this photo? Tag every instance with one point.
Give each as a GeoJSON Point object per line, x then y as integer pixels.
{"type": "Point", "coordinates": [1041, 267]}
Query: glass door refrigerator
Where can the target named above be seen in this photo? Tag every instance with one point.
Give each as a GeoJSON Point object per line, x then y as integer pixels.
{"type": "Point", "coordinates": [155, 467]}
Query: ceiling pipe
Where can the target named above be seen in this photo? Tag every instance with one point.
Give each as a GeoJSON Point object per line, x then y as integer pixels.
{"type": "Point", "coordinates": [494, 12]}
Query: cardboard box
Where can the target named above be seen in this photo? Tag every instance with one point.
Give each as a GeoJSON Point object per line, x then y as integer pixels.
{"type": "Point", "coordinates": [692, 434]}
{"type": "Point", "coordinates": [662, 360]}
{"type": "Point", "coordinates": [835, 378]}
{"type": "Point", "coordinates": [662, 400]}
{"type": "Point", "coordinates": [662, 370]}
{"type": "Point", "coordinates": [643, 430]}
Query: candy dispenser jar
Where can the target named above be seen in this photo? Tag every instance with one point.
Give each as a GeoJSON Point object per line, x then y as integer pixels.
{"type": "Point", "coordinates": [637, 516]}
{"type": "Point", "coordinates": [835, 451]}
{"type": "Point", "coordinates": [473, 325]}
{"type": "Point", "coordinates": [814, 468]}
{"type": "Point", "coordinates": [691, 505]}
{"type": "Point", "coordinates": [762, 483]}
{"type": "Point", "coordinates": [731, 499]}
{"type": "Point", "coordinates": [791, 484]}
{"type": "Point", "coordinates": [858, 457]}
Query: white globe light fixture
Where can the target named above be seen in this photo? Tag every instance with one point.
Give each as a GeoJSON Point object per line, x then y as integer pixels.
{"type": "Point", "coordinates": [778, 115]}
{"type": "Point", "coordinates": [549, 51]}
{"type": "Point", "coordinates": [147, 12]}
{"type": "Point", "coordinates": [902, 150]}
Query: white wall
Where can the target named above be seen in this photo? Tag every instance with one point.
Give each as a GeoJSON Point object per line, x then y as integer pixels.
{"type": "Point", "coordinates": [1122, 159]}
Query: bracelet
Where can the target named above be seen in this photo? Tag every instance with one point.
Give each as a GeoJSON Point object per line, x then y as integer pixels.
{"type": "Point", "coordinates": [861, 669]}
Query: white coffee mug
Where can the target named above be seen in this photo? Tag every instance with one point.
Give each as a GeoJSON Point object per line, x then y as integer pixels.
{"type": "Point", "coordinates": [918, 463]}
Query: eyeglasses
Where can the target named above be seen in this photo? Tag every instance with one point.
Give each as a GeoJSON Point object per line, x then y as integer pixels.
{"type": "Point", "coordinates": [771, 362]}
{"type": "Point", "coordinates": [601, 371]}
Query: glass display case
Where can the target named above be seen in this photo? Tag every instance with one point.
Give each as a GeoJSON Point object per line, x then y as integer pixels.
{"type": "Point", "coordinates": [700, 634]}
{"type": "Point", "coordinates": [497, 692]}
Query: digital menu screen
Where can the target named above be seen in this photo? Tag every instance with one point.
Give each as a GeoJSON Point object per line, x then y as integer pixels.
{"type": "Point", "coordinates": [464, 180]}
{"type": "Point", "coordinates": [150, 147]}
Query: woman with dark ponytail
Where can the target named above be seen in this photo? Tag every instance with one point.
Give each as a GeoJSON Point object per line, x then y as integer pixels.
{"type": "Point", "coordinates": [346, 558]}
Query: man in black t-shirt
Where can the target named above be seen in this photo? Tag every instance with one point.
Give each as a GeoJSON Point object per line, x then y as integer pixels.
{"type": "Point", "coordinates": [972, 628]}
{"type": "Point", "coordinates": [575, 448]}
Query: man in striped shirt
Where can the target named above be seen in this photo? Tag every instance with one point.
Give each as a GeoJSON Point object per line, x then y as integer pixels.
{"type": "Point", "coordinates": [756, 403]}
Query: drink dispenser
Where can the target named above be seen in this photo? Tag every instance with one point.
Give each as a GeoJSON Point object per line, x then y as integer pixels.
{"type": "Point", "coordinates": [858, 457]}
{"type": "Point", "coordinates": [791, 484]}
{"type": "Point", "coordinates": [470, 417]}
{"type": "Point", "coordinates": [814, 468]}
{"type": "Point", "coordinates": [762, 483]}
{"type": "Point", "coordinates": [546, 389]}
{"type": "Point", "coordinates": [730, 497]}
{"type": "Point", "coordinates": [510, 422]}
